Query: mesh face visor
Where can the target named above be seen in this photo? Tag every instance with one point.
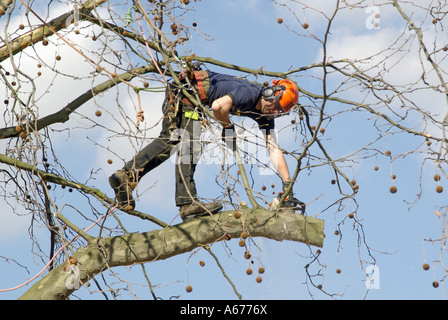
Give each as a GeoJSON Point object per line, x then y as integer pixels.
{"type": "Point", "coordinates": [277, 104]}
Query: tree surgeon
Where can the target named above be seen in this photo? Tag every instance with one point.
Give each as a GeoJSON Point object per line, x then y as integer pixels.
{"type": "Point", "coordinates": [225, 95]}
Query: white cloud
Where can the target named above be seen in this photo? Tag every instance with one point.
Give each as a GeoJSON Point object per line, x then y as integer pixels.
{"type": "Point", "coordinates": [391, 54]}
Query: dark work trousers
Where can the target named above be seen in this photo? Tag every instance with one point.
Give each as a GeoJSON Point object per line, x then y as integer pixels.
{"type": "Point", "coordinates": [188, 147]}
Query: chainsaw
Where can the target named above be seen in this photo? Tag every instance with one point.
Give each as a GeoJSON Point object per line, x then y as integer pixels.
{"type": "Point", "coordinates": [290, 203]}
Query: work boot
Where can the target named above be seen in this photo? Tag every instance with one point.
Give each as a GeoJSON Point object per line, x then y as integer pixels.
{"type": "Point", "coordinates": [199, 209]}
{"type": "Point", "coordinates": [123, 186]}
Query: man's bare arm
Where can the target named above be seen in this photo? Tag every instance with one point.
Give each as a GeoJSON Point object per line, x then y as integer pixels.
{"type": "Point", "coordinates": [277, 157]}
{"type": "Point", "coordinates": [221, 109]}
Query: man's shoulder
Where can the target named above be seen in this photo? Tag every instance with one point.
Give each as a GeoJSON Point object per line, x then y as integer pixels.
{"type": "Point", "coordinates": [232, 78]}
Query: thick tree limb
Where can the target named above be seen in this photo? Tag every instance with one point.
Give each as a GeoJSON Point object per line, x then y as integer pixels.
{"type": "Point", "coordinates": [174, 240]}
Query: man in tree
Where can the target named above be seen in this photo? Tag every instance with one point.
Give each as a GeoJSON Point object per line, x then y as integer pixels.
{"type": "Point", "coordinates": [225, 94]}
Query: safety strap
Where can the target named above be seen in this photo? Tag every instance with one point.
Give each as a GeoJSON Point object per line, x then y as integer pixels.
{"type": "Point", "coordinates": [202, 83]}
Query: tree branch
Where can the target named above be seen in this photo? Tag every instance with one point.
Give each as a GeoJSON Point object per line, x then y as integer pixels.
{"type": "Point", "coordinates": [174, 240]}
{"type": "Point", "coordinates": [53, 178]}
{"type": "Point", "coordinates": [63, 115]}
{"type": "Point", "coordinates": [45, 30]}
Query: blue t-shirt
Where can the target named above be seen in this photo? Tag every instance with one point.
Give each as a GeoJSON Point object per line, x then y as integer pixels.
{"type": "Point", "coordinates": [244, 95]}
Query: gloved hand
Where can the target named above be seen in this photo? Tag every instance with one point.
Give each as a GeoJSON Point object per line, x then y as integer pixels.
{"type": "Point", "coordinates": [228, 136]}
{"type": "Point", "coordinates": [289, 201]}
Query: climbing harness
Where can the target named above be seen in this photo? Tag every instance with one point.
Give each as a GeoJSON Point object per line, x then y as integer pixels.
{"type": "Point", "coordinates": [176, 99]}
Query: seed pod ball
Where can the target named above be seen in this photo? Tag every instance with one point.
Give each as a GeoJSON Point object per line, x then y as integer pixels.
{"type": "Point", "coordinates": [73, 261]}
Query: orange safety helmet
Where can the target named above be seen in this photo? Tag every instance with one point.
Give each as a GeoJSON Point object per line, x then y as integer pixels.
{"type": "Point", "coordinates": [284, 91]}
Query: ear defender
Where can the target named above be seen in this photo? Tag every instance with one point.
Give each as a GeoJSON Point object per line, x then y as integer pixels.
{"type": "Point", "coordinates": [271, 93]}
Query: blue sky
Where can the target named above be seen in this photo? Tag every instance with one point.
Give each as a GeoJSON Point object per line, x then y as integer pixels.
{"type": "Point", "coordinates": [388, 230]}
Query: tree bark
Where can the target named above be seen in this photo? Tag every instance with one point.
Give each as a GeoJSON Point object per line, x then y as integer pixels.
{"type": "Point", "coordinates": [103, 253]}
